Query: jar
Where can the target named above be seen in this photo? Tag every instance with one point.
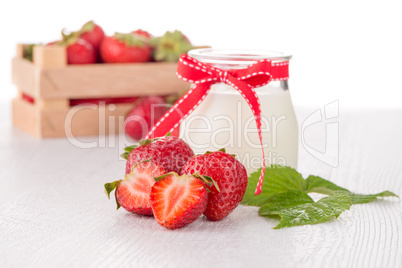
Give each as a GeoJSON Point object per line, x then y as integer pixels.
{"type": "Point", "coordinates": [224, 119]}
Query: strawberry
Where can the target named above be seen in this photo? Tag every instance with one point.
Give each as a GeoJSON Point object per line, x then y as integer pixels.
{"type": "Point", "coordinates": [79, 51]}
{"type": "Point", "coordinates": [123, 48]}
{"type": "Point", "coordinates": [27, 98]}
{"type": "Point", "coordinates": [93, 34]}
{"type": "Point", "coordinates": [178, 200]}
{"type": "Point", "coordinates": [170, 46]}
{"type": "Point", "coordinates": [169, 152]}
{"type": "Point", "coordinates": [144, 115]}
{"type": "Point", "coordinates": [133, 192]}
{"type": "Point", "coordinates": [143, 33]}
{"type": "Point", "coordinates": [97, 101]}
{"type": "Point", "coordinates": [230, 175]}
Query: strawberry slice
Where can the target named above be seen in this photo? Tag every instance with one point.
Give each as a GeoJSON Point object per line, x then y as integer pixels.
{"type": "Point", "coordinates": [133, 192]}
{"type": "Point", "coordinates": [178, 200]}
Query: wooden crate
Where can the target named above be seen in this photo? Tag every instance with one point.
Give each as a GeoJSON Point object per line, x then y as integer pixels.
{"type": "Point", "coordinates": [52, 84]}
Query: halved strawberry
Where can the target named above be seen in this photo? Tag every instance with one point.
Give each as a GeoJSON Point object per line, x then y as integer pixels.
{"type": "Point", "coordinates": [178, 200]}
{"type": "Point", "coordinates": [133, 192]}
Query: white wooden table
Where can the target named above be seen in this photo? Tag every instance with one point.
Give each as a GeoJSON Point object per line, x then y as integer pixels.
{"type": "Point", "coordinates": [54, 213]}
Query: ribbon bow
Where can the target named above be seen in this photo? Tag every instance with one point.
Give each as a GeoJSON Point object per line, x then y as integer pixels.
{"type": "Point", "coordinates": [203, 76]}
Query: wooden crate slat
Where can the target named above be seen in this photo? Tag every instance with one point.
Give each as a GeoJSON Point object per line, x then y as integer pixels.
{"type": "Point", "coordinates": [110, 80]}
{"type": "Point", "coordinates": [25, 116]}
{"type": "Point", "coordinates": [53, 103]}
{"type": "Point", "coordinates": [83, 120]}
{"type": "Point", "coordinates": [52, 83]}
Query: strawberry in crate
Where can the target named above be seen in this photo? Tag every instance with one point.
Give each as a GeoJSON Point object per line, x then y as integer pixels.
{"type": "Point", "coordinates": [124, 48]}
{"type": "Point", "coordinates": [82, 46]}
{"type": "Point", "coordinates": [144, 115]}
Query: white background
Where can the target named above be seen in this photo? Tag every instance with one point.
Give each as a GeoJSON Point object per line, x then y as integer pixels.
{"type": "Point", "coordinates": [343, 50]}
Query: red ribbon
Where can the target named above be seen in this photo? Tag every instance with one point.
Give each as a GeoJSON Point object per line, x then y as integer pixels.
{"type": "Point", "coordinates": [203, 76]}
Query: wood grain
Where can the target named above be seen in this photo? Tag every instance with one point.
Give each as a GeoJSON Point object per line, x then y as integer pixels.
{"type": "Point", "coordinates": [49, 56]}
{"type": "Point", "coordinates": [96, 80]}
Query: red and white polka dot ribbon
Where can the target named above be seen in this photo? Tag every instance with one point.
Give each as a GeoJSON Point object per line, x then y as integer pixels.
{"type": "Point", "coordinates": [203, 76]}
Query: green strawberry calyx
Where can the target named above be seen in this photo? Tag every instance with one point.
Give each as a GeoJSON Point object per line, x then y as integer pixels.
{"type": "Point", "coordinates": [220, 150]}
{"type": "Point", "coordinates": [170, 46]}
{"type": "Point", "coordinates": [109, 187]}
{"type": "Point", "coordinates": [87, 27]}
{"type": "Point", "coordinates": [68, 39]}
{"type": "Point", "coordinates": [206, 179]}
{"type": "Point", "coordinates": [131, 39]}
{"type": "Point", "coordinates": [128, 150]}
{"type": "Point", "coordinates": [142, 142]}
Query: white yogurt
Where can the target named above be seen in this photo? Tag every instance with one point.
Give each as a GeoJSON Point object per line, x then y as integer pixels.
{"type": "Point", "coordinates": [224, 120]}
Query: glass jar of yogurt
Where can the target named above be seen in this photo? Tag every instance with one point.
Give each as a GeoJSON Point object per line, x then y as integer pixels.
{"type": "Point", "coordinates": [224, 120]}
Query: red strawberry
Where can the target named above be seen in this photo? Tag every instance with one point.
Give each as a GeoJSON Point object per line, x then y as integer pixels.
{"type": "Point", "coordinates": [27, 98]}
{"type": "Point", "coordinates": [143, 33]}
{"type": "Point", "coordinates": [122, 48]}
{"type": "Point", "coordinates": [79, 51]}
{"type": "Point", "coordinates": [144, 115]}
{"type": "Point", "coordinates": [53, 43]}
{"type": "Point", "coordinates": [97, 101]}
{"type": "Point", "coordinates": [178, 200]}
{"type": "Point", "coordinates": [93, 34]}
{"type": "Point", "coordinates": [231, 177]}
{"type": "Point", "coordinates": [133, 192]}
{"type": "Point", "coordinates": [169, 152]}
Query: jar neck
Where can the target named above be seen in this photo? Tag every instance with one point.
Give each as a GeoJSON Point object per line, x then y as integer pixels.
{"type": "Point", "coordinates": [227, 59]}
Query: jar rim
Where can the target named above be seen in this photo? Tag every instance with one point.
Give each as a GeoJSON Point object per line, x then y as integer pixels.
{"type": "Point", "coordinates": [237, 57]}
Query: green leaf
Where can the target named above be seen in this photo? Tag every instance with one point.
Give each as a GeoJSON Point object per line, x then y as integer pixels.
{"type": "Point", "coordinates": [290, 198]}
{"type": "Point", "coordinates": [365, 198]}
{"type": "Point", "coordinates": [284, 194]}
{"type": "Point", "coordinates": [280, 179]}
{"type": "Point", "coordinates": [277, 179]}
{"type": "Point", "coordinates": [315, 184]}
{"type": "Point", "coordinates": [295, 209]}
